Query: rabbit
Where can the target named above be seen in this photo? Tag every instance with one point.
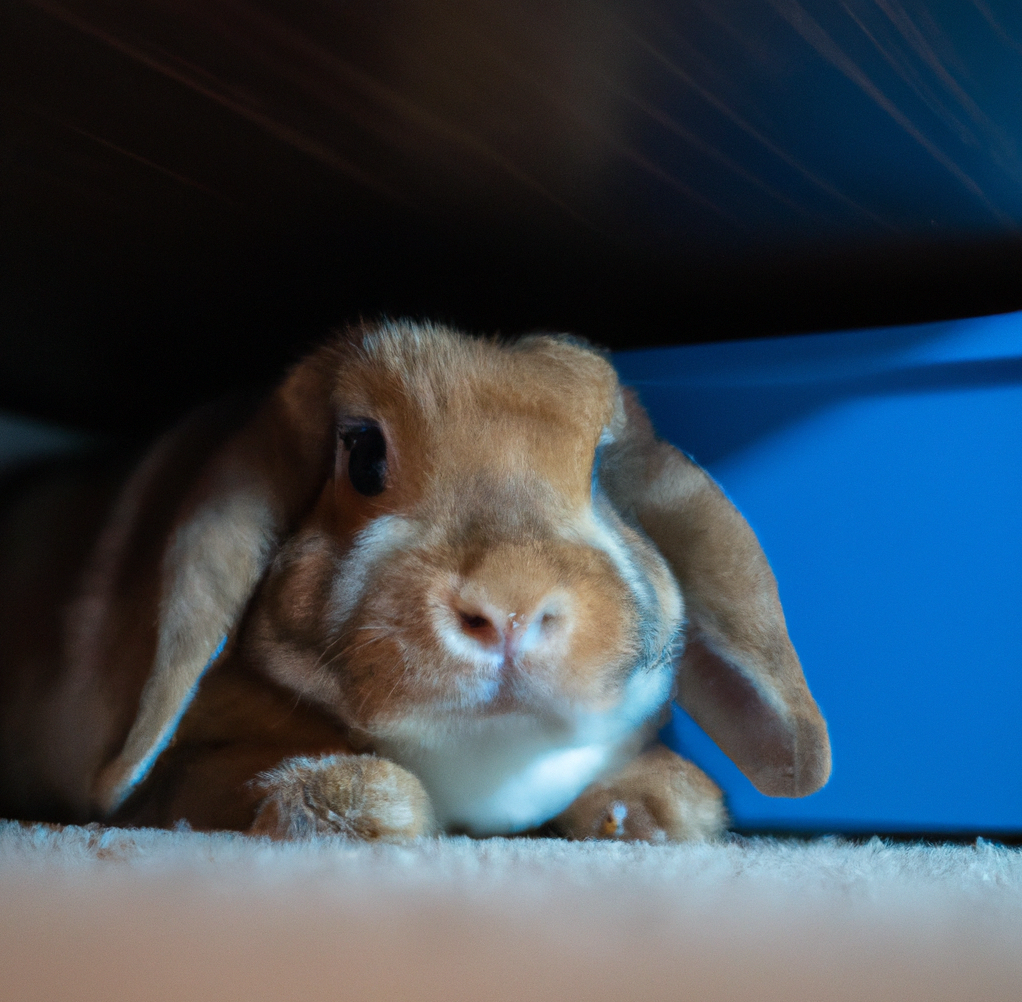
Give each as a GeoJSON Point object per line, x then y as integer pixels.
{"type": "Point", "coordinates": [433, 583]}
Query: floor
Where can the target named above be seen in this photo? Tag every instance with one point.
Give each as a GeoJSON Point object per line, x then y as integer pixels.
{"type": "Point", "coordinates": [116, 914]}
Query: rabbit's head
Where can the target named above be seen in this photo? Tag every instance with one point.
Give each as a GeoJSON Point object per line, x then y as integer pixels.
{"type": "Point", "coordinates": [464, 559]}
{"type": "Point", "coordinates": [427, 529]}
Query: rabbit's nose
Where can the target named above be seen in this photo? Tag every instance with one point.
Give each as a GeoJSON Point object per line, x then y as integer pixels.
{"type": "Point", "coordinates": [510, 633]}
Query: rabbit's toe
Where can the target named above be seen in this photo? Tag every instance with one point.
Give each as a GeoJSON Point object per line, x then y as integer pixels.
{"type": "Point", "coordinates": [361, 796]}
{"type": "Point", "coordinates": [658, 797]}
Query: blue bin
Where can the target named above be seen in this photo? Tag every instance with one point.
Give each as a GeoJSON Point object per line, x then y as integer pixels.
{"type": "Point", "coordinates": [882, 471]}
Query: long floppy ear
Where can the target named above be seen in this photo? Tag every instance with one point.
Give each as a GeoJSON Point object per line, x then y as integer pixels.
{"type": "Point", "coordinates": [247, 495]}
{"type": "Point", "coordinates": [739, 676]}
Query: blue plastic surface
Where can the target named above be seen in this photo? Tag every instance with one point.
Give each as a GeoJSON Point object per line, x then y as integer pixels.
{"type": "Point", "coordinates": [882, 471]}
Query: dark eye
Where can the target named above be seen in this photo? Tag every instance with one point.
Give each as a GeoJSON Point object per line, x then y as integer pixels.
{"type": "Point", "coordinates": [367, 458]}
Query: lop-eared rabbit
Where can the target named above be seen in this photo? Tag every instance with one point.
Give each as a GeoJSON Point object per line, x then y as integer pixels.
{"type": "Point", "coordinates": [432, 583]}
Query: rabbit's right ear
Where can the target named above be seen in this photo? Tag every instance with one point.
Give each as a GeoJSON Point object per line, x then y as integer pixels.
{"type": "Point", "coordinates": [247, 496]}
{"type": "Point", "coordinates": [739, 676]}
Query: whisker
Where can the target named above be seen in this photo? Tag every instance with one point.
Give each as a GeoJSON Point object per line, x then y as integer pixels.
{"type": "Point", "coordinates": [405, 666]}
{"type": "Point", "coordinates": [319, 660]}
{"type": "Point", "coordinates": [354, 649]}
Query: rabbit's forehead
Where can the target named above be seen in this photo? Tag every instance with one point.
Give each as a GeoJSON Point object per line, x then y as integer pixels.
{"type": "Point", "coordinates": [487, 406]}
{"type": "Point", "coordinates": [572, 387]}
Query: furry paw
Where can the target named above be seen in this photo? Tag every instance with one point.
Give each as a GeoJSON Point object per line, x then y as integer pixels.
{"type": "Point", "coordinates": [658, 797]}
{"type": "Point", "coordinates": [361, 796]}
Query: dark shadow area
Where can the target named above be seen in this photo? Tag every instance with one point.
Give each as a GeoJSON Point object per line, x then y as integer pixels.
{"type": "Point", "coordinates": [191, 194]}
{"type": "Point", "coordinates": [117, 345]}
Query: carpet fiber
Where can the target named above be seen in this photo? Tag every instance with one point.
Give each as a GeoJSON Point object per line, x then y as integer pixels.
{"type": "Point", "coordinates": [90, 913]}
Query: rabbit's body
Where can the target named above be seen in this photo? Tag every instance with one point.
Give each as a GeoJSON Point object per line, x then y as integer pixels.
{"type": "Point", "coordinates": [460, 557]}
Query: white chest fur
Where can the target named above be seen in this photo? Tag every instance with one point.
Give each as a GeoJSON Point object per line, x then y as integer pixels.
{"type": "Point", "coordinates": [512, 772]}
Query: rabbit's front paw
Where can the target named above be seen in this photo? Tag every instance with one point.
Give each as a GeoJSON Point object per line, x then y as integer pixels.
{"type": "Point", "coordinates": [658, 797]}
{"type": "Point", "coordinates": [361, 796]}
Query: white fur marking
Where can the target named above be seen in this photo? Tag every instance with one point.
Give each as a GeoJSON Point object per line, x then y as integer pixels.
{"type": "Point", "coordinates": [466, 648]}
{"type": "Point", "coordinates": [508, 773]}
{"type": "Point", "coordinates": [545, 788]}
{"type": "Point", "coordinates": [603, 537]}
{"type": "Point", "coordinates": [374, 544]}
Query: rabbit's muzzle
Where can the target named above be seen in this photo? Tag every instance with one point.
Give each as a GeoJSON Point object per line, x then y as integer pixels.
{"type": "Point", "coordinates": [408, 623]}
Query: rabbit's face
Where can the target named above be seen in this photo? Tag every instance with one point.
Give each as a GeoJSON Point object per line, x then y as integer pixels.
{"type": "Point", "coordinates": [464, 561]}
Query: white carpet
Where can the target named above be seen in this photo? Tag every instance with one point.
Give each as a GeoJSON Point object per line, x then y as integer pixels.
{"type": "Point", "coordinates": [148, 915]}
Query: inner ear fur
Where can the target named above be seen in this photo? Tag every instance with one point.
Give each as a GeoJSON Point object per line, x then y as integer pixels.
{"type": "Point", "coordinates": [739, 676]}
{"type": "Point", "coordinates": [248, 495]}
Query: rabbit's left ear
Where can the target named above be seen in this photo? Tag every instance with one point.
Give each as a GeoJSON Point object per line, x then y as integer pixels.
{"type": "Point", "coordinates": [739, 676]}
{"type": "Point", "coordinates": [225, 529]}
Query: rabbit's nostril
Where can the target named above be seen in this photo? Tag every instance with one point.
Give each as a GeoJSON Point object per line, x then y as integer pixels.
{"type": "Point", "coordinates": [480, 628]}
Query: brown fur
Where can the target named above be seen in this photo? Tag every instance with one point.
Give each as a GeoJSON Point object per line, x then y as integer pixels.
{"type": "Point", "coordinates": [486, 583]}
{"type": "Point", "coordinates": [657, 797]}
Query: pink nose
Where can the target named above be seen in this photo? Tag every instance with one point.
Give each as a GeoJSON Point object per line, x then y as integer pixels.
{"type": "Point", "coordinates": [511, 633]}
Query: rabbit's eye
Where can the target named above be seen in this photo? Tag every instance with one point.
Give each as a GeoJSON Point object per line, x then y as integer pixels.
{"type": "Point", "coordinates": [367, 458]}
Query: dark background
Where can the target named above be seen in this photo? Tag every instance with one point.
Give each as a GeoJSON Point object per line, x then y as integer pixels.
{"type": "Point", "coordinates": [191, 193]}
